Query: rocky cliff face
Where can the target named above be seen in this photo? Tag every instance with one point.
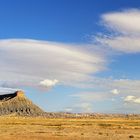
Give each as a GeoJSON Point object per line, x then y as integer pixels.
{"type": "Point", "coordinates": [17, 104]}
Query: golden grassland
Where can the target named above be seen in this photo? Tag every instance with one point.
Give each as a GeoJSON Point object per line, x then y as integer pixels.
{"type": "Point", "coordinates": [26, 128]}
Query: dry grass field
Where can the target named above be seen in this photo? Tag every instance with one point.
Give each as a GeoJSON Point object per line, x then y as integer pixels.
{"type": "Point", "coordinates": [20, 128]}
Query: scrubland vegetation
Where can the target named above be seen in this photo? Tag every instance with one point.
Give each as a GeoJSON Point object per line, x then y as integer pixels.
{"type": "Point", "coordinates": [39, 128]}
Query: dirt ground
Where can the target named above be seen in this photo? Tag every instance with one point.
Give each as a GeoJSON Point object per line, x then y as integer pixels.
{"type": "Point", "coordinates": [20, 128]}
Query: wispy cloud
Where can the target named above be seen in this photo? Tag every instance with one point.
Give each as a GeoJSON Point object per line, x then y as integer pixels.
{"type": "Point", "coordinates": [125, 21]}
{"type": "Point", "coordinates": [122, 35]}
{"type": "Point", "coordinates": [85, 107]}
{"type": "Point", "coordinates": [85, 100]}
{"type": "Point", "coordinates": [35, 63]}
{"type": "Point", "coordinates": [91, 96]}
{"type": "Point", "coordinates": [26, 62]}
{"type": "Point", "coordinates": [124, 31]}
{"type": "Point", "coordinates": [121, 86]}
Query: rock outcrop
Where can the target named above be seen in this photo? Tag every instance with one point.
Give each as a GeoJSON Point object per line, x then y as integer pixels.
{"type": "Point", "coordinates": [17, 104]}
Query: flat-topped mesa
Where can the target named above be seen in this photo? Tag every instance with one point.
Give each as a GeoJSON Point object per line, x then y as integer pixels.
{"type": "Point", "coordinates": [20, 93]}
{"type": "Point", "coordinates": [17, 103]}
{"type": "Point", "coordinates": [9, 96]}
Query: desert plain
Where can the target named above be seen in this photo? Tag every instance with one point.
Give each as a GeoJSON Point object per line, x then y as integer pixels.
{"type": "Point", "coordinates": [40, 128]}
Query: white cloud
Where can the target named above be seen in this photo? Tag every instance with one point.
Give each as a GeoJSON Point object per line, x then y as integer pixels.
{"type": "Point", "coordinates": [124, 36]}
{"type": "Point", "coordinates": [122, 43]}
{"type": "Point", "coordinates": [124, 31]}
{"type": "Point", "coordinates": [115, 91]}
{"type": "Point", "coordinates": [126, 21]}
{"type": "Point", "coordinates": [129, 98]}
{"type": "Point", "coordinates": [103, 93]}
{"type": "Point", "coordinates": [104, 89]}
{"type": "Point", "coordinates": [48, 83]}
{"type": "Point", "coordinates": [126, 86]}
{"type": "Point", "coordinates": [25, 62]}
{"type": "Point", "coordinates": [132, 99]}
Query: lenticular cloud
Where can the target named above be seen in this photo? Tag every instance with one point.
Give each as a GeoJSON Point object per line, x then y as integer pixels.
{"type": "Point", "coordinates": [25, 62]}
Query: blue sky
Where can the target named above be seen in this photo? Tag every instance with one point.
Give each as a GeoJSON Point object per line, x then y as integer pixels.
{"type": "Point", "coordinates": [72, 55]}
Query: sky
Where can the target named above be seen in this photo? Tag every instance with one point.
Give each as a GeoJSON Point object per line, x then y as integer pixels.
{"type": "Point", "coordinates": [72, 55]}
